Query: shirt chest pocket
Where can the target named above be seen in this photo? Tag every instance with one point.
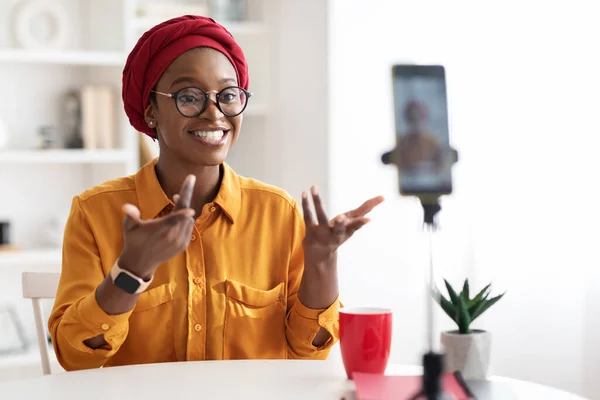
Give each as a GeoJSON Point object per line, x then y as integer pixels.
{"type": "Point", "coordinates": [254, 326]}
{"type": "Point", "coordinates": [151, 337]}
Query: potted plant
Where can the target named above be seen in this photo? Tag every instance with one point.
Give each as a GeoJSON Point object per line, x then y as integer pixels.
{"type": "Point", "coordinates": [466, 350]}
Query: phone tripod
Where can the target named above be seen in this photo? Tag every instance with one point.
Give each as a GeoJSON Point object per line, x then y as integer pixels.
{"type": "Point", "coordinates": [433, 363]}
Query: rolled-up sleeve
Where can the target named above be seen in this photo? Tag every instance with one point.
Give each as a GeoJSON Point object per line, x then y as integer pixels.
{"type": "Point", "coordinates": [302, 326]}
{"type": "Point", "coordinates": [303, 323]}
{"type": "Point", "coordinates": [76, 315]}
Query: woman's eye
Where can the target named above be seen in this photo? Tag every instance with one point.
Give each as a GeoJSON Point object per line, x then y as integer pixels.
{"type": "Point", "coordinates": [228, 97]}
{"type": "Point", "coordinates": [187, 99]}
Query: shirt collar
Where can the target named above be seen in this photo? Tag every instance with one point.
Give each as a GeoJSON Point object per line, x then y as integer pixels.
{"type": "Point", "coordinates": [152, 199]}
{"type": "Point", "coordinates": [229, 197]}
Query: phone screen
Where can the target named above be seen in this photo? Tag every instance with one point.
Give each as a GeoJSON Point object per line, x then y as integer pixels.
{"type": "Point", "coordinates": [423, 150]}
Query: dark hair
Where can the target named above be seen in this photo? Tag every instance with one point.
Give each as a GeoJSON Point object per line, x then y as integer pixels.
{"type": "Point", "coordinates": [153, 98]}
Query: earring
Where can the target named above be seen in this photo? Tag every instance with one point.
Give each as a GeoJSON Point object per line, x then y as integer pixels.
{"type": "Point", "coordinates": [151, 123]}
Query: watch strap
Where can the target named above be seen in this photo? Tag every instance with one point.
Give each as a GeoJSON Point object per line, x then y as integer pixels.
{"type": "Point", "coordinates": [116, 271]}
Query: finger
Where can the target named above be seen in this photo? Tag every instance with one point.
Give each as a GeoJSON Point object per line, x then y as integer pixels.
{"type": "Point", "coordinates": [188, 229]}
{"type": "Point", "coordinates": [185, 195]}
{"type": "Point", "coordinates": [321, 216]}
{"type": "Point", "coordinates": [162, 224]}
{"type": "Point", "coordinates": [308, 217]}
{"type": "Point", "coordinates": [365, 207]}
{"type": "Point", "coordinates": [339, 225]}
{"type": "Point", "coordinates": [356, 224]}
{"type": "Point", "coordinates": [177, 217]}
{"type": "Point", "coordinates": [181, 232]}
{"type": "Point", "coordinates": [175, 198]}
{"type": "Point", "coordinates": [132, 216]}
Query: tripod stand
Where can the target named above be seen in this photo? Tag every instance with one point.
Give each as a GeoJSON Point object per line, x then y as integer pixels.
{"type": "Point", "coordinates": [433, 363]}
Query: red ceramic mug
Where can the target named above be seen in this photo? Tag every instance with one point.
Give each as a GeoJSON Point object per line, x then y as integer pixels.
{"type": "Point", "coordinates": [365, 339]}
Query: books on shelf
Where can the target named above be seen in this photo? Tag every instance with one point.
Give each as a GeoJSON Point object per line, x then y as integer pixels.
{"type": "Point", "coordinates": [98, 117]}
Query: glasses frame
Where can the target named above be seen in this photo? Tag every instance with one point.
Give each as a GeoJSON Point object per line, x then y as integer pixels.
{"type": "Point", "coordinates": [207, 99]}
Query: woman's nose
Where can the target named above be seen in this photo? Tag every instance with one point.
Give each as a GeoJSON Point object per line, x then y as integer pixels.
{"type": "Point", "coordinates": [212, 110]}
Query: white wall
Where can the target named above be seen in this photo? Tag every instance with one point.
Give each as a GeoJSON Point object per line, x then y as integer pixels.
{"type": "Point", "coordinates": [297, 149]}
{"type": "Point", "coordinates": [524, 102]}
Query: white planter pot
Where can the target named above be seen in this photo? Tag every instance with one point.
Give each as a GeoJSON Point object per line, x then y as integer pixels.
{"type": "Point", "coordinates": [469, 354]}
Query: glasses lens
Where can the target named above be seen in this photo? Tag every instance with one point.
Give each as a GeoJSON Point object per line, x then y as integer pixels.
{"type": "Point", "coordinates": [190, 101]}
{"type": "Point", "coordinates": [232, 100]}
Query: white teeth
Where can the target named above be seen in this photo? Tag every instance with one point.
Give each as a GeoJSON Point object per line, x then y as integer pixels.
{"type": "Point", "coordinates": [209, 135]}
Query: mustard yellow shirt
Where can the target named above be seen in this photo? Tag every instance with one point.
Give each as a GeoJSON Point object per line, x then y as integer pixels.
{"type": "Point", "coordinates": [231, 295]}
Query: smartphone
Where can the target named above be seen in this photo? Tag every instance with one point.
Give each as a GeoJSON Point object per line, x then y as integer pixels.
{"type": "Point", "coordinates": [423, 152]}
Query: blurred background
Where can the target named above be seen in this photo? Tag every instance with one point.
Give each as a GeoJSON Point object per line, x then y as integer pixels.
{"type": "Point", "coordinates": [523, 88]}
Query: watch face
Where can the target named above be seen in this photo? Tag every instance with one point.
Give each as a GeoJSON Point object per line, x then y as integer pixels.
{"type": "Point", "coordinates": [127, 283]}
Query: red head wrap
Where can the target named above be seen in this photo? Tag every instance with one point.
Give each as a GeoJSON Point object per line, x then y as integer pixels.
{"type": "Point", "coordinates": [159, 47]}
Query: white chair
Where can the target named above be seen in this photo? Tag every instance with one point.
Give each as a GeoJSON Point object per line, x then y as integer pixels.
{"type": "Point", "coordinates": [37, 286]}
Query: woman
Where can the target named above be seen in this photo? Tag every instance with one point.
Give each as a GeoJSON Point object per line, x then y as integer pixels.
{"type": "Point", "coordinates": [206, 264]}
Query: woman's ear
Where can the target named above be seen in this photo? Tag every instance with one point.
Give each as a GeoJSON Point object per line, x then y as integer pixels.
{"type": "Point", "coordinates": [149, 115]}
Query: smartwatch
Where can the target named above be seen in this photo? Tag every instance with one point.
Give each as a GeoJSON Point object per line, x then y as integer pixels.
{"type": "Point", "coordinates": [127, 281]}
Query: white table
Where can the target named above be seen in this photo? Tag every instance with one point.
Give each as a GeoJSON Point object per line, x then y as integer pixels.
{"type": "Point", "coordinates": [239, 380]}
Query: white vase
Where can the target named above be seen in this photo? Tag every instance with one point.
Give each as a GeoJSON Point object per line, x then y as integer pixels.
{"type": "Point", "coordinates": [468, 353]}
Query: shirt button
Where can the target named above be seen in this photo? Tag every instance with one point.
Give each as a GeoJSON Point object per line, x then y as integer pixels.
{"type": "Point", "coordinates": [105, 327]}
{"type": "Point", "coordinates": [193, 238]}
{"type": "Point", "coordinates": [197, 327]}
{"type": "Point", "coordinates": [213, 208]}
{"type": "Point", "coordinates": [197, 280]}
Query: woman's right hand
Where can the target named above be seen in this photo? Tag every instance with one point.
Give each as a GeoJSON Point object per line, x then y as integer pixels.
{"type": "Point", "coordinates": [148, 244]}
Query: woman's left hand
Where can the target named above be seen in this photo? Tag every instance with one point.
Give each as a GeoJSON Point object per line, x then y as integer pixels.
{"type": "Point", "coordinates": [324, 236]}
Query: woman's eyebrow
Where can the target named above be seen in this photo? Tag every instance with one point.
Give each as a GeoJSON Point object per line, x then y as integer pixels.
{"type": "Point", "coordinates": [190, 79]}
{"type": "Point", "coordinates": [183, 79]}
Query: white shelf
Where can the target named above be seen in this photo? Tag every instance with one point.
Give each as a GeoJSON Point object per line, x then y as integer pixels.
{"type": "Point", "coordinates": [235, 28]}
{"type": "Point", "coordinates": [64, 57]}
{"type": "Point", "coordinates": [51, 257]}
{"type": "Point", "coordinates": [65, 156]}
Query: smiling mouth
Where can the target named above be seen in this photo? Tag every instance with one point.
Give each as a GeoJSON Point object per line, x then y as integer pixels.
{"type": "Point", "coordinates": [211, 138]}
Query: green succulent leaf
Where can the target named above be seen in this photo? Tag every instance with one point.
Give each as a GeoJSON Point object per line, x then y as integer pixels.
{"type": "Point", "coordinates": [464, 319]}
{"type": "Point", "coordinates": [448, 307]}
{"type": "Point", "coordinates": [460, 308]}
{"type": "Point", "coordinates": [453, 296]}
{"type": "Point", "coordinates": [478, 297]}
{"type": "Point", "coordinates": [476, 309]}
{"type": "Point", "coordinates": [485, 305]}
{"type": "Point", "coordinates": [465, 291]}
{"type": "Point", "coordinates": [476, 305]}
{"type": "Point", "coordinates": [444, 303]}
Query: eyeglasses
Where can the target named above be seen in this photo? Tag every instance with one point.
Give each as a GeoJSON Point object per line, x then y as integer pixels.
{"type": "Point", "coordinates": [192, 101]}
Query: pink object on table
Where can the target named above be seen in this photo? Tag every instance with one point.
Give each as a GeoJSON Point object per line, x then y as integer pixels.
{"type": "Point", "coordinates": [385, 387]}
